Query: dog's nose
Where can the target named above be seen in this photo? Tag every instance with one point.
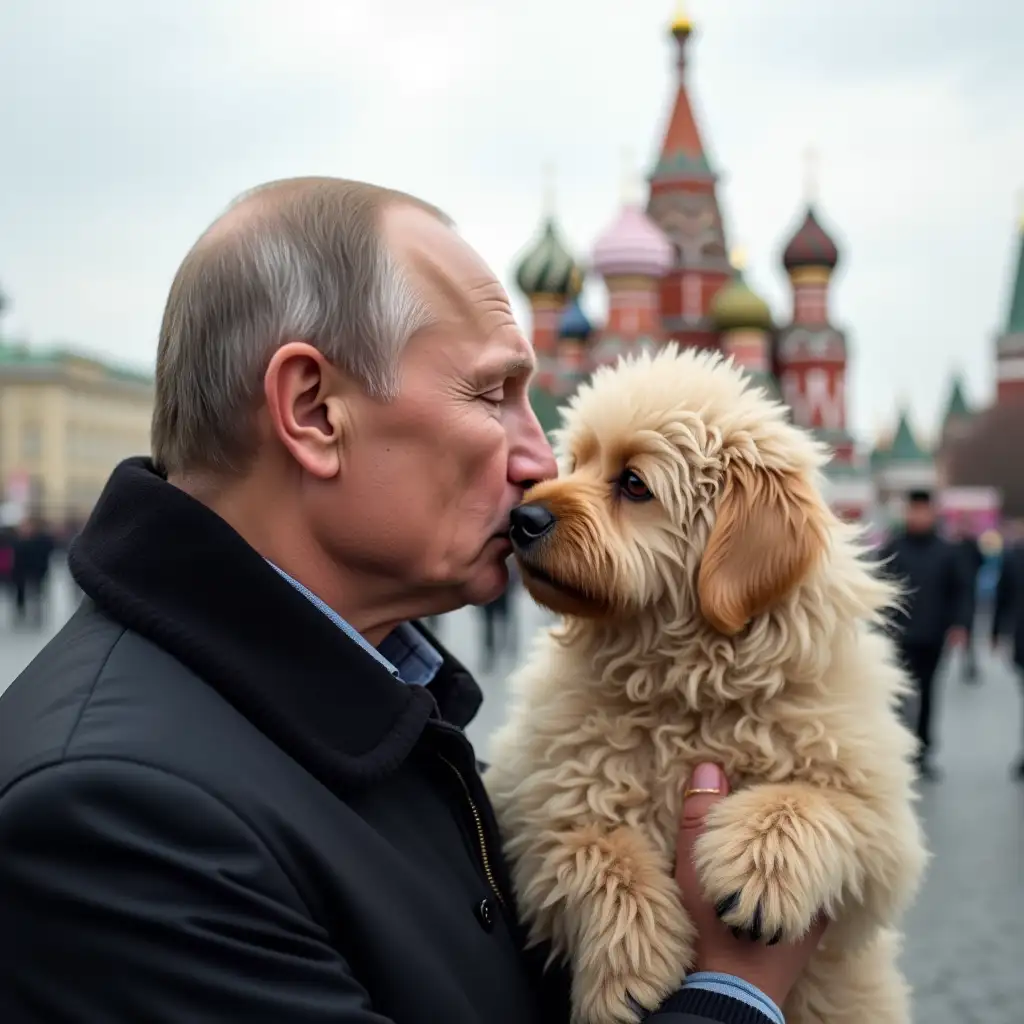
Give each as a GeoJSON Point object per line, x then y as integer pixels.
{"type": "Point", "coordinates": [529, 523]}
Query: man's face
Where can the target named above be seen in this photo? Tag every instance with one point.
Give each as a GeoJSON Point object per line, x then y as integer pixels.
{"type": "Point", "coordinates": [428, 479]}
{"type": "Point", "coordinates": [920, 516]}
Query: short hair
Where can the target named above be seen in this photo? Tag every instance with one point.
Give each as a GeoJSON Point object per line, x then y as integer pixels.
{"type": "Point", "coordinates": [919, 496]}
{"type": "Point", "coordinates": [295, 260]}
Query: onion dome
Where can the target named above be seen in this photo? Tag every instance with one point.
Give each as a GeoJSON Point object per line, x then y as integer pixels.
{"type": "Point", "coordinates": [633, 245]}
{"type": "Point", "coordinates": [736, 306]}
{"type": "Point", "coordinates": [574, 324]}
{"type": "Point", "coordinates": [548, 268]}
{"type": "Point", "coordinates": [811, 246]}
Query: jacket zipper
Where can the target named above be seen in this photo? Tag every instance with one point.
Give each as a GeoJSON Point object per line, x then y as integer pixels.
{"type": "Point", "coordinates": [478, 821]}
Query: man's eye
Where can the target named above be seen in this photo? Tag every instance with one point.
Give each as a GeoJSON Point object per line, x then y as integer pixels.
{"type": "Point", "coordinates": [495, 397]}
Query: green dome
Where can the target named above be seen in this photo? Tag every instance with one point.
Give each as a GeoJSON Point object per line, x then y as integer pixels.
{"type": "Point", "coordinates": [548, 267]}
{"type": "Point", "coordinates": [735, 306]}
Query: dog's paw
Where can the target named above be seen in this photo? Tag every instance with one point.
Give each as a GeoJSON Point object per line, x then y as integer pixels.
{"type": "Point", "coordinates": [772, 858]}
{"type": "Point", "coordinates": [634, 941]}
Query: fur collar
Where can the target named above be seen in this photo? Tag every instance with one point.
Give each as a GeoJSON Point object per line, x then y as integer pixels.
{"type": "Point", "coordinates": [165, 566]}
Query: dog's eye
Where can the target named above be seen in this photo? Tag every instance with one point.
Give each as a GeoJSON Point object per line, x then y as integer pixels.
{"type": "Point", "coordinates": [633, 488]}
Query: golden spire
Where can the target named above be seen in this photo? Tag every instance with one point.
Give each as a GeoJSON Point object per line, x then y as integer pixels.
{"type": "Point", "coordinates": [681, 22]}
{"type": "Point", "coordinates": [738, 258]}
{"type": "Point", "coordinates": [811, 166]}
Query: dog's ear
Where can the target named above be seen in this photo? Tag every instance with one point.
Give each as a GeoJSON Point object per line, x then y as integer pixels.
{"type": "Point", "coordinates": [768, 534]}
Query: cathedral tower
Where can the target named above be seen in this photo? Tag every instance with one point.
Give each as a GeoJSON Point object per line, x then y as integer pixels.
{"type": "Point", "coordinates": [1010, 344]}
{"type": "Point", "coordinates": [811, 353]}
{"type": "Point", "coordinates": [684, 204]}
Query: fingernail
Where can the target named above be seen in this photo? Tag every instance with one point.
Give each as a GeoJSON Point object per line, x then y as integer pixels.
{"type": "Point", "coordinates": [707, 777]}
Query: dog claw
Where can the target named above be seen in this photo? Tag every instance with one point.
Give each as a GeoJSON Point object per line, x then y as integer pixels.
{"type": "Point", "coordinates": [755, 932]}
{"type": "Point", "coordinates": [723, 906]}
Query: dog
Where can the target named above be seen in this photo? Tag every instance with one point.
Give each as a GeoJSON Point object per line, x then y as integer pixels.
{"type": "Point", "coordinates": [712, 608]}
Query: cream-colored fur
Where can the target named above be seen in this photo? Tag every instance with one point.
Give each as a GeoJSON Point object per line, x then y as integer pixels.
{"type": "Point", "coordinates": [730, 618]}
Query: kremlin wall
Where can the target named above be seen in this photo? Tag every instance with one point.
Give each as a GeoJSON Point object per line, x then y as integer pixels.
{"type": "Point", "coordinates": [669, 276]}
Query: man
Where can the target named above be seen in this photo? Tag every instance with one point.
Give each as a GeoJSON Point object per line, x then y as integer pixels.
{"type": "Point", "coordinates": [972, 560]}
{"type": "Point", "coordinates": [235, 787]}
{"type": "Point", "coordinates": [1008, 613]}
{"type": "Point", "coordinates": [937, 607]}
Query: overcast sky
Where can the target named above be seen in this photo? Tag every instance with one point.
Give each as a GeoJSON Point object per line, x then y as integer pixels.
{"type": "Point", "coordinates": [127, 126]}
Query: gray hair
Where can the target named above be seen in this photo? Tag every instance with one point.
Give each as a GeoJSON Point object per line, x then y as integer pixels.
{"type": "Point", "coordinates": [296, 260]}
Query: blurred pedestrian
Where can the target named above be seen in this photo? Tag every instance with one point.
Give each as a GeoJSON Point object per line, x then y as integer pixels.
{"type": "Point", "coordinates": [972, 559]}
{"type": "Point", "coordinates": [1008, 619]}
{"type": "Point", "coordinates": [937, 609]}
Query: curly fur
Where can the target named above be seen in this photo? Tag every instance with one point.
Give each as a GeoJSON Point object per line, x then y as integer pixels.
{"type": "Point", "coordinates": [731, 618]}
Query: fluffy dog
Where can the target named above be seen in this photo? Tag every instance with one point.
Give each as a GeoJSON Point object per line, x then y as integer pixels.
{"type": "Point", "coordinates": [713, 609]}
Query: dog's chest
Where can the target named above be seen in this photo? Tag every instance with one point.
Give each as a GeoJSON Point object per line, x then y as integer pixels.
{"type": "Point", "coordinates": [645, 785]}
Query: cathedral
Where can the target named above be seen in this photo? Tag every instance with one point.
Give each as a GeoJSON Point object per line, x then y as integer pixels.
{"type": "Point", "coordinates": [669, 276]}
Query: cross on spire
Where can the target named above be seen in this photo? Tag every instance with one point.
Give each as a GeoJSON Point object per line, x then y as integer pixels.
{"type": "Point", "coordinates": [629, 184]}
{"type": "Point", "coordinates": [811, 168]}
{"type": "Point", "coordinates": [548, 194]}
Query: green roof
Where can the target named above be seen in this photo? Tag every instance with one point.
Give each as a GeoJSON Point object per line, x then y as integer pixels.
{"type": "Point", "coordinates": [19, 354]}
{"type": "Point", "coordinates": [904, 447]}
{"type": "Point", "coordinates": [1015, 321]}
{"type": "Point", "coordinates": [957, 407]}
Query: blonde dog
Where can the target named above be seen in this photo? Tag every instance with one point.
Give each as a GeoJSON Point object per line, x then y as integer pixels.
{"type": "Point", "coordinates": [714, 609]}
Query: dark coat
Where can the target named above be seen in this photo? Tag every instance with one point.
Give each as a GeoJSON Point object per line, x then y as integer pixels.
{"type": "Point", "coordinates": [1008, 613]}
{"type": "Point", "coordinates": [215, 807]}
{"type": "Point", "coordinates": [937, 588]}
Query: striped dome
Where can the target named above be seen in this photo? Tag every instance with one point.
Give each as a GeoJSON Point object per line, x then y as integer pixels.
{"type": "Point", "coordinates": [633, 244]}
{"type": "Point", "coordinates": [737, 306]}
{"type": "Point", "coordinates": [811, 246]}
{"type": "Point", "coordinates": [548, 268]}
{"type": "Point", "coordinates": [574, 323]}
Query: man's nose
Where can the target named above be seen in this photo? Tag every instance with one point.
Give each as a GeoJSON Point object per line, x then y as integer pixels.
{"type": "Point", "coordinates": [531, 459]}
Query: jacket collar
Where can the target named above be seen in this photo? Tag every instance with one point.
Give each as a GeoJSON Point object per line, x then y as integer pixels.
{"type": "Point", "coordinates": [167, 567]}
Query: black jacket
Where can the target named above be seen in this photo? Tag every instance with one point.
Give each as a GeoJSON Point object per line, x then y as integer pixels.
{"type": "Point", "coordinates": [215, 807]}
{"type": "Point", "coordinates": [937, 587]}
{"type": "Point", "coordinates": [1008, 613]}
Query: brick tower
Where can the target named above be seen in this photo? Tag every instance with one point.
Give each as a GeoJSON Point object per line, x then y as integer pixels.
{"type": "Point", "coordinates": [684, 204]}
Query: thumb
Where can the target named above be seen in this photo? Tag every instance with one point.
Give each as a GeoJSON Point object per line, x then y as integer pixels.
{"type": "Point", "coordinates": [706, 786]}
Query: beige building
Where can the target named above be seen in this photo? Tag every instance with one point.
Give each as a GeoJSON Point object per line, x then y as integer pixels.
{"type": "Point", "coordinates": [65, 421]}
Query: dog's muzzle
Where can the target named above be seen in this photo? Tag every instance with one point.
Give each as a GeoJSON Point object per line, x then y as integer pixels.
{"type": "Point", "coordinates": [529, 523]}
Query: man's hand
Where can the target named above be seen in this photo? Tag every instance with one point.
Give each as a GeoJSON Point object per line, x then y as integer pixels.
{"type": "Point", "coordinates": [772, 969]}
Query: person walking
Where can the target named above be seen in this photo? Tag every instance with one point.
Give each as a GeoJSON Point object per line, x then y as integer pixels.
{"type": "Point", "coordinates": [236, 785]}
{"type": "Point", "coordinates": [936, 610]}
{"type": "Point", "coordinates": [1008, 619]}
{"type": "Point", "coordinates": [972, 559]}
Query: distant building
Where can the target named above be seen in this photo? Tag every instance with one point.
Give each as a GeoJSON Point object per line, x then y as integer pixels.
{"type": "Point", "coordinates": [669, 276]}
{"type": "Point", "coordinates": [66, 420]}
{"type": "Point", "coordinates": [986, 448]}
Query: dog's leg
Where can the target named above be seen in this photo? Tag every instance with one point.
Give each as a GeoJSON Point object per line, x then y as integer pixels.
{"type": "Point", "coordinates": [775, 856]}
{"type": "Point", "coordinates": [618, 910]}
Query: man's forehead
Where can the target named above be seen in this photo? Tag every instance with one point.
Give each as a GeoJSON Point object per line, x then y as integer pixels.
{"type": "Point", "coordinates": [445, 267]}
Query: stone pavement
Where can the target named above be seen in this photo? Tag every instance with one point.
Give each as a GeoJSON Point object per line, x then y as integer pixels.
{"type": "Point", "coordinates": [965, 945]}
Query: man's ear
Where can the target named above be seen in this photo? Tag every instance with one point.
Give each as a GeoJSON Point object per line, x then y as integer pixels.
{"type": "Point", "coordinates": [770, 531]}
{"type": "Point", "coordinates": [306, 404]}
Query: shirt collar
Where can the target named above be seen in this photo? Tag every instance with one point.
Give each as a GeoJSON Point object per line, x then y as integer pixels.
{"type": "Point", "coordinates": [405, 652]}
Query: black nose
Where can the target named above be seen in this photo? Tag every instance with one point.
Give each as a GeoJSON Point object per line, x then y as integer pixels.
{"type": "Point", "coordinates": [529, 523]}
